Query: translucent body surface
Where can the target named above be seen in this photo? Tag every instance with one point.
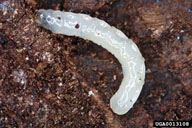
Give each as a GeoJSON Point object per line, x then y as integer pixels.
{"type": "Point", "coordinates": [110, 38]}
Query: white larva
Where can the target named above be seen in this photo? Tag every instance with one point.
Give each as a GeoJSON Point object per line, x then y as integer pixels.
{"type": "Point", "coordinates": [110, 38]}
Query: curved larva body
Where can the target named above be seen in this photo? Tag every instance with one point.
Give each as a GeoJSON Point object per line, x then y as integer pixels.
{"type": "Point", "coordinates": [110, 38]}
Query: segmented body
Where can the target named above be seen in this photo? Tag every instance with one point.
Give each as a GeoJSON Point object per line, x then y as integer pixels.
{"type": "Point", "coordinates": [110, 38]}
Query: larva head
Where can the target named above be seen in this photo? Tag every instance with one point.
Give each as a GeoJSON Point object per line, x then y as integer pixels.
{"type": "Point", "coordinates": [44, 18]}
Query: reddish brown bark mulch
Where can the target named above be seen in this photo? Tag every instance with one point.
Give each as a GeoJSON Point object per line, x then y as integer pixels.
{"type": "Point", "coordinates": [46, 79]}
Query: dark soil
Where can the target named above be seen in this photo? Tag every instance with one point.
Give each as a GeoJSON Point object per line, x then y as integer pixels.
{"type": "Point", "coordinates": [46, 79]}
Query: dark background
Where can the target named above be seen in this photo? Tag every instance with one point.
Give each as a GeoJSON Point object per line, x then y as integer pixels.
{"type": "Point", "coordinates": [45, 79]}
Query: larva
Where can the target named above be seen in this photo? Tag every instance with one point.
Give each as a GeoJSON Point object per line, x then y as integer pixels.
{"type": "Point", "coordinates": [110, 38]}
